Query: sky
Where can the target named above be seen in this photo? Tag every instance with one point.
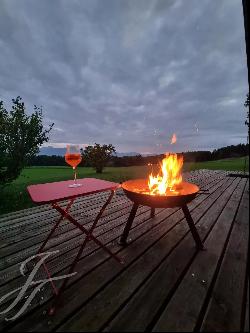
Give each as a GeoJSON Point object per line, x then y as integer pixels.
{"type": "Point", "coordinates": [128, 72]}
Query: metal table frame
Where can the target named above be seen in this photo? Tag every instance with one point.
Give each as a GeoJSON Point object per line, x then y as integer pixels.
{"type": "Point", "coordinates": [64, 212]}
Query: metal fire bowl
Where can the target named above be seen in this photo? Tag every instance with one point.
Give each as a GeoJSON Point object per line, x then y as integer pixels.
{"type": "Point", "coordinates": [134, 191]}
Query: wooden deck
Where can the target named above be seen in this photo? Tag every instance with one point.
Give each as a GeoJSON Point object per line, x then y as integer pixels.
{"type": "Point", "coordinates": [164, 285]}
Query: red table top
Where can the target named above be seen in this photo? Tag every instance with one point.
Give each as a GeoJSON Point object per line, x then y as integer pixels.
{"type": "Point", "coordinates": [52, 192]}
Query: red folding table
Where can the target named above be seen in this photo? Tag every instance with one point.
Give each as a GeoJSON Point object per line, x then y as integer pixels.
{"type": "Point", "coordinates": [56, 192]}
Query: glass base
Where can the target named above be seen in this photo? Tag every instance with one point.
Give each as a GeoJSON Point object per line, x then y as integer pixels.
{"type": "Point", "coordinates": [75, 185]}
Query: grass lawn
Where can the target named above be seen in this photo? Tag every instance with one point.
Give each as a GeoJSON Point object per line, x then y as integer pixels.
{"type": "Point", "coordinates": [14, 196]}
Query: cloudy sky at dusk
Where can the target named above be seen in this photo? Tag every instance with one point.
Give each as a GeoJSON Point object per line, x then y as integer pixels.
{"type": "Point", "coordinates": [129, 72]}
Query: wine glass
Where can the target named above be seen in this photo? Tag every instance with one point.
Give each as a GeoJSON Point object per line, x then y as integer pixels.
{"type": "Point", "coordinates": [73, 158]}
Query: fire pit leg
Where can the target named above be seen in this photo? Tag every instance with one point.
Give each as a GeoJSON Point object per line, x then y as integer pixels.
{"type": "Point", "coordinates": [124, 236]}
{"type": "Point", "coordinates": [152, 214]}
{"type": "Point", "coordinates": [192, 227]}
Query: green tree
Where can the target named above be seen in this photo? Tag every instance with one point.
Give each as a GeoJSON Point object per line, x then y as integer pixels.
{"type": "Point", "coordinates": [21, 136]}
{"type": "Point", "coordinates": [246, 104]}
{"type": "Point", "coordinates": [97, 156]}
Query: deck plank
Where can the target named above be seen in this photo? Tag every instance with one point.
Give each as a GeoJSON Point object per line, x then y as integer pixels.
{"type": "Point", "coordinates": [31, 237]}
{"type": "Point", "coordinates": [105, 272]}
{"type": "Point", "coordinates": [135, 276]}
{"type": "Point", "coordinates": [246, 323]}
{"type": "Point", "coordinates": [25, 254]}
{"type": "Point", "coordinates": [182, 311]}
{"type": "Point", "coordinates": [224, 311]}
{"type": "Point", "coordinates": [161, 256]}
{"type": "Point", "coordinates": [164, 280]}
{"type": "Point", "coordinates": [13, 217]}
{"type": "Point", "coordinates": [38, 222]}
{"type": "Point", "coordinates": [35, 224]}
{"type": "Point", "coordinates": [33, 221]}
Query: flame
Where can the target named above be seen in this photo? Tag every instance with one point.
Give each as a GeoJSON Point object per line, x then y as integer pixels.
{"type": "Point", "coordinates": [174, 139]}
{"type": "Point", "coordinates": [170, 176]}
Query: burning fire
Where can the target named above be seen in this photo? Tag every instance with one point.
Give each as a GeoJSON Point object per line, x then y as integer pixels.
{"type": "Point", "coordinates": [169, 178]}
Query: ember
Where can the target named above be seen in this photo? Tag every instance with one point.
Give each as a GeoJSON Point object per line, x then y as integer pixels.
{"type": "Point", "coordinates": [174, 139]}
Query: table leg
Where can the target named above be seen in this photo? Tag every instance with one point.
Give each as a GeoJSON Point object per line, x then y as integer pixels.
{"type": "Point", "coordinates": [89, 232]}
{"type": "Point", "coordinates": [46, 241]}
{"type": "Point", "coordinates": [89, 236]}
{"type": "Point", "coordinates": [56, 225]}
{"type": "Point", "coordinates": [124, 236]}
{"type": "Point", "coordinates": [192, 227]}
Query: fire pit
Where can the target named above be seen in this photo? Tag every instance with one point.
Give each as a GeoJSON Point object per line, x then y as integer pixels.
{"type": "Point", "coordinates": [136, 191]}
{"type": "Point", "coordinates": [166, 190]}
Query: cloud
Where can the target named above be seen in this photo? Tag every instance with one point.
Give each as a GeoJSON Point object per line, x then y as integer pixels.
{"type": "Point", "coordinates": [129, 72]}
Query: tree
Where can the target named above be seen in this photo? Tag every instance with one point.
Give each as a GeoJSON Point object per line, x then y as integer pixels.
{"type": "Point", "coordinates": [97, 156]}
{"type": "Point", "coordinates": [246, 104]}
{"type": "Point", "coordinates": [20, 138]}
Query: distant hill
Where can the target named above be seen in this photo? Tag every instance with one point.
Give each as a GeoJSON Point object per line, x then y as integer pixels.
{"type": "Point", "coordinates": [132, 153]}
{"type": "Point", "coordinates": [50, 156]}
{"type": "Point", "coordinates": [50, 151]}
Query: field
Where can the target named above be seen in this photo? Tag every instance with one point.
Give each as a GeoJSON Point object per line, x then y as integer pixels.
{"type": "Point", "coordinates": [14, 196]}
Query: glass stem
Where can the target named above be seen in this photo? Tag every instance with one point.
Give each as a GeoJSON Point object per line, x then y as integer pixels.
{"type": "Point", "coordinates": [74, 168]}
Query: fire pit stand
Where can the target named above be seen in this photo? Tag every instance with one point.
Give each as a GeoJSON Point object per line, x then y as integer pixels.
{"type": "Point", "coordinates": [136, 192]}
